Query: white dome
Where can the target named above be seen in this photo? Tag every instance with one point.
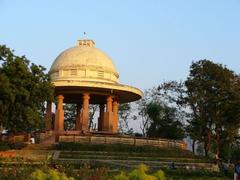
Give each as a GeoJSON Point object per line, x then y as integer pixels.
{"type": "Point", "coordinates": [84, 63]}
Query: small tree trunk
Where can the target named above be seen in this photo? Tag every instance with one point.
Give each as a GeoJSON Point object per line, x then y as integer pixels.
{"type": "Point", "coordinates": [207, 144]}
{"type": "Point", "coordinates": [218, 141]}
{"type": "Point", "coordinates": [206, 149]}
{"type": "Point", "coordinates": [193, 146]}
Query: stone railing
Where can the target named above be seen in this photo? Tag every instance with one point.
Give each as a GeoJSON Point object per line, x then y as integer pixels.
{"type": "Point", "coordinates": [41, 136]}
{"type": "Point", "coordinates": [167, 143]}
{"type": "Point", "coordinates": [18, 137]}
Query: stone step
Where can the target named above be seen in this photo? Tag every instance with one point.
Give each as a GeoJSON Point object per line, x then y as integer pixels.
{"type": "Point", "coordinates": [132, 158]}
{"type": "Point", "coordinates": [126, 163]}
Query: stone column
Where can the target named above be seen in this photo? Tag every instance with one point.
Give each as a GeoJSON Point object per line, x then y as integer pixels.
{"type": "Point", "coordinates": [59, 116]}
{"type": "Point", "coordinates": [109, 104]}
{"type": "Point", "coordinates": [115, 116]}
{"type": "Point", "coordinates": [48, 116]}
{"type": "Point", "coordinates": [85, 112]}
{"type": "Point", "coordinates": [101, 117]}
{"type": "Point", "coordinates": [108, 115]}
{"type": "Point", "coordinates": [78, 117]}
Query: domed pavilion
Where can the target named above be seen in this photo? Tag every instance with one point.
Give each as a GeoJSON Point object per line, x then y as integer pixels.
{"type": "Point", "coordinates": [84, 75]}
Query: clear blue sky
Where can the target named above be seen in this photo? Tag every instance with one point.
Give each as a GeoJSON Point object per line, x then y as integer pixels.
{"type": "Point", "coordinates": [149, 41]}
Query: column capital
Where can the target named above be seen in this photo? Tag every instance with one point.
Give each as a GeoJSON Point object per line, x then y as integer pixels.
{"type": "Point", "coordinates": [60, 97]}
{"type": "Point", "coordinates": [86, 95]}
{"type": "Point", "coordinates": [115, 102]}
{"type": "Point", "coordinates": [115, 107]}
{"type": "Point", "coordinates": [116, 99]}
{"type": "Point", "coordinates": [109, 99]}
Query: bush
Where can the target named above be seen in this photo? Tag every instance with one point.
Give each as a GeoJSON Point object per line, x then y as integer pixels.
{"type": "Point", "coordinates": [17, 145]}
{"type": "Point", "coordinates": [140, 173]}
{"type": "Point", "coordinates": [235, 155]}
{"type": "Point", "coordinates": [48, 174]}
{"type": "Point", "coordinates": [124, 148]}
{"type": "Point", "coordinates": [194, 174]}
{"type": "Point", "coordinates": [16, 172]}
{"type": "Point", "coordinates": [121, 176]}
{"type": "Point", "coordinates": [160, 175]}
{"type": "Point", "coordinates": [4, 146]}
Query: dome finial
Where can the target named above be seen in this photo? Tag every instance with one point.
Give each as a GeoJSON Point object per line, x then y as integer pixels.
{"type": "Point", "coordinates": [84, 35]}
{"type": "Point", "coordinates": [86, 42]}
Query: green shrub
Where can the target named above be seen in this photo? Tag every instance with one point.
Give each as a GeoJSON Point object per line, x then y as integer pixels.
{"type": "Point", "coordinates": [38, 175]}
{"type": "Point", "coordinates": [4, 146]}
{"type": "Point", "coordinates": [124, 148]}
{"type": "Point", "coordinates": [160, 175]}
{"type": "Point", "coordinates": [48, 174]}
{"type": "Point", "coordinates": [140, 173]}
{"type": "Point", "coordinates": [121, 176]}
{"type": "Point", "coordinates": [16, 172]}
{"type": "Point", "coordinates": [17, 145]}
{"type": "Point", "coordinates": [235, 155]}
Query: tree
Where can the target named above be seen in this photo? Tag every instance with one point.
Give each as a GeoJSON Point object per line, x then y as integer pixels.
{"type": "Point", "coordinates": [142, 111]}
{"type": "Point", "coordinates": [93, 108]}
{"type": "Point", "coordinates": [213, 95]}
{"type": "Point", "coordinates": [164, 122]}
{"type": "Point", "coordinates": [159, 111]}
{"type": "Point", "coordinates": [24, 90]}
{"type": "Point", "coordinates": [194, 131]}
{"type": "Point", "coordinates": [124, 116]}
{"type": "Point", "coordinates": [70, 115]}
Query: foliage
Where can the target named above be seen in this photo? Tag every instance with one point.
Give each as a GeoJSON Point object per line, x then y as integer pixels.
{"type": "Point", "coordinates": [140, 173]}
{"type": "Point", "coordinates": [142, 112]}
{"type": "Point", "coordinates": [164, 122]}
{"type": "Point", "coordinates": [17, 145]}
{"type": "Point", "coordinates": [87, 171]}
{"type": "Point", "coordinates": [48, 175]}
{"type": "Point", "coordinates": [16, 172]}
{"type": "Point", "coordinates": [124, 148]}
{"type": "Point", "coordinates": [195, 174]}
{"type": "Point", "coordinates": [121, 176]}
{"type": "Point", "coordinates": [93, 108]}
{"type": "Point", "coordinates": [22, 172]}
{"type": "Point", "coordinates": [160, 112]}
{"type": "Point", "coordinates": [213, 95]}
{"type": "Point", "coordinates": [70, 113]}
{"type": "Point", "coordinates": [24, 89]}
{"type": "Point", "coordinates": [235, 154]}
{"type": "Point", "coordinates": [124, 116]}
{"type": "Point", "coordinates": [4, 146]}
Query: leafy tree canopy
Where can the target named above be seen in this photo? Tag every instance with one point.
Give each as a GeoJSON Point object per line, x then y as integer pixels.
{"type": "Point", "coordinates": [24, 89]}
{"type": "Point", "coordinates": [164, 122]}
{"type": "Point", "coordinates": [213, 95]}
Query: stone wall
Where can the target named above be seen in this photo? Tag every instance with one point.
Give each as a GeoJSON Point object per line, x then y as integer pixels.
{"type": "Point", "coordinates": [41, 136]}
{"type": "Point", "coordinates": [123, 140]}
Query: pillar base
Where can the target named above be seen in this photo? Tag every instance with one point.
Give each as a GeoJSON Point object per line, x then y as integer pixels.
{"type": "Point", "coordinates": [107, 123]}
{"type": "Point", "coordinates": [59, 120]}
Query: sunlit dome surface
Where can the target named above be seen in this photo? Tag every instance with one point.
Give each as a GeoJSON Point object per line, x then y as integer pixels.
{"type": "Point", "coordinates": [84, 63]}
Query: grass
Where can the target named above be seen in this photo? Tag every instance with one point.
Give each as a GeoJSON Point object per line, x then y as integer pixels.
{"type": "Point", "coordinates": [123, 148]}
{"type": "Point", "coordinates": [125, 156]}
{"type": "Point", "coordinates": [98, 171]}
{"type": "Point", "coordinates": [196, 174]}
